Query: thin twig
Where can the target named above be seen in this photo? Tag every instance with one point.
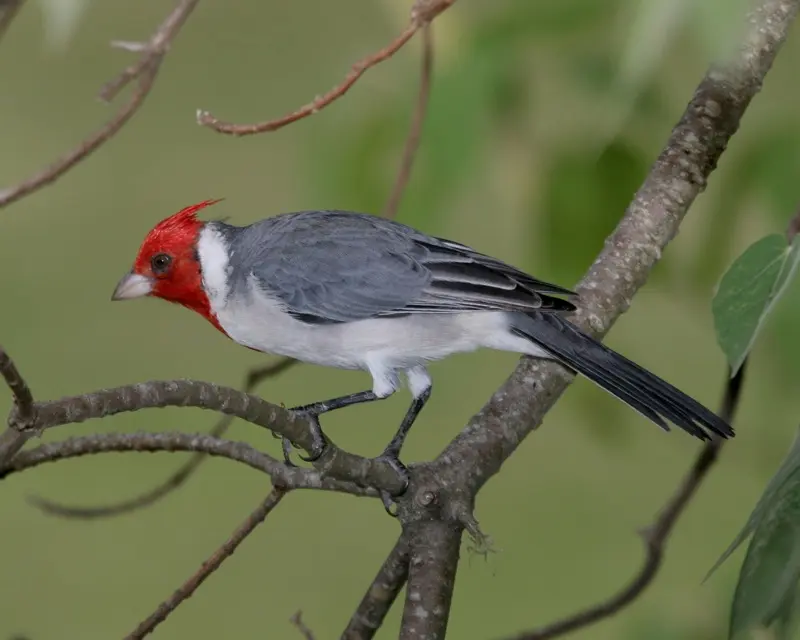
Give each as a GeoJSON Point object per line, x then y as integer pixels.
{"type": "Point", "coordinates": [655, 536]}
{"type": "Point", "coordinates": [297, 621]}
{"type": "Point", "coordinates": [206, 119]}
{"type": "Point", "coordinates": [178, 477]}
{"type": "Point", "coordinates": [23, 398]}
{"type": "Point", "coordinates": [209, 566]}
{"type": "Point", "coordinates": [380, 596]}
{"type": "Point", "coordinates": [282, 474]}
{"type": "Point", "coordinates": [18, 431]}
{"type": "Point", "coordinates": [417, 120]}
{"type": "Point", "coordinates": [153, 50]}
{"type": "Point", "coordinates": [422, 13]}
{"type": "Point", "coordinates": [8, 11]}
{"type": "Point", "coordinates": [147, 72]}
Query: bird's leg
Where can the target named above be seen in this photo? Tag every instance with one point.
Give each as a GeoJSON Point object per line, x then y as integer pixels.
{"type": "Point", "coordinates": [391, 454]}
{"type": "Point", "coordinates": [313, 411]}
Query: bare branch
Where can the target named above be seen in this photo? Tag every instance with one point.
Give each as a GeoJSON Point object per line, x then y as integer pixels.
{"type": "Point", "coordinates": [23, 398]}
{"type": "Point", "coordinates": [380, 596]}
{"type": "Point", "coordinates": [679, 174]}
{"type": "Point", "coordinates": [297, 621]}
{"type": "Point", "coordinates": [209, 566]}
{"type": "Point", "coordinates": [147, 71]}
{"type": "Point", "coordinates": [15, 436]}
{"type": "Point", "coordinates": [203, 395]}
{"type": "Point", "coordinates": [206, 119]}
{"type": "Point", "coordinates": [8, 11]}
{"type": "Point", "coordinates": [281, 474]}
{"type": "Point", "coordinates": [434, 549]}
{"type": "Point", "coordinates": [415, 132]}
{"type": "Point", "coordinates": [178, 478]}
{"type": "Point", "coordinates": [651, 221]}
{"type": "Point", "coordinates": [655, 536]}
{"type": "Point", "coordinates": [152, 51]}
{"type": "Point", "coordinates": [421, 14]}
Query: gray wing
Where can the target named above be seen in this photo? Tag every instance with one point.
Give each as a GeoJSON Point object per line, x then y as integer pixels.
{"type": "Point", "coordinates": [337, 266]}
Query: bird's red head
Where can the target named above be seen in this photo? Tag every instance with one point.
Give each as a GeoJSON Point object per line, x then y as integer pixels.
{"type": "Point", "coordinates": [167, 264]}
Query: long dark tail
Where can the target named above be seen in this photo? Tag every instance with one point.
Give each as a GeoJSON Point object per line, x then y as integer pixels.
{"type": "Point", "coordinates": [647, 393]}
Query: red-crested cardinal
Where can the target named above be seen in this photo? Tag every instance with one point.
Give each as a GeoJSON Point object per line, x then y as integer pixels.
{"type": "Point", "coordinates": [356, 291]}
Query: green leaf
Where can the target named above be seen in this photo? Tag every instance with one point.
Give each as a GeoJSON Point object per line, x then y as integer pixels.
{"type": "Point", "coordinates": [786, 620]}
{"type": "Point", "coordinates": [748, 292]}
{"type": "Point", "coordinates": [771, 569]}
{"type": "Point", "coordinates": [767, 501]}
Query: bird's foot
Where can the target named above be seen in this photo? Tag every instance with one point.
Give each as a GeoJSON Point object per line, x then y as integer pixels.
{"type": "Point", "coordinates": [318, 440]}
{"type": "Point", "coordinates": [390, 457]}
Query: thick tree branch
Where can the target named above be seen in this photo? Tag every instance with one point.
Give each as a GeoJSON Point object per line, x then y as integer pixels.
{"type": "Point", "coordinates": [421, 14]}
{"type": "Point", "coordinates": [203, 395]}
{"type": "Point", "coordinates": [433, 549]}
{"type": "Point", "coordinates": [415, 131]}
{"type": "Point", "coordinates": [678, 176]}
{"type": "Point", "coordinates": [146, 71]}
{"type": "Point", "coordinates": [209, 566]}
{"type": "Point", "coordinates": [178, 477]}
{"type": "Point", "coordinates": [281, 474]}
{"type": "Point", "coordinates": [655, 536]}
{"type": "Point", "coordinates": [380, 596]}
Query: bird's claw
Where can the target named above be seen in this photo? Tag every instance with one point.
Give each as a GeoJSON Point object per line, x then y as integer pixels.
{"type": "Point", "coordinates": [318, 440]}
{"type": "Point", "coordinates": [286, 447]}
{"type": "Point", "coordinates": [389, 456]}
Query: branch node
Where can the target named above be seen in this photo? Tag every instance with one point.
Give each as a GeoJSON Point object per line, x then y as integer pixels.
{"type": "Point", "coordinates": [297, 621]}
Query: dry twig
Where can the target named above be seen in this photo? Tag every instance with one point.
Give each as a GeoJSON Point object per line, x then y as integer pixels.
{"type": "Point", "coordinates": [421, 14]}
{"type": "Point", "coordinates": [297, 621]}
{"type": "Point", "coordinates": [146, 72]}
{"type": "Point", "coordinates": [209, 566]}
{"type": "Point", "coordinates": [655, 536]}
{"type": "Point", "coordinates": [415, 131]}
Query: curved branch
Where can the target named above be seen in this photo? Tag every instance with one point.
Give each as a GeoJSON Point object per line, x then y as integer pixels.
{"type": "Point", "coordinates": [209, 566]}
{"type": "Point", "coordinates": [204, 395]}
{"type": "Point", "coordinates": [178, 477]}
{"type": "Point", "coordinates": [146, 72]}
{"type": "Point", "coordinates": [655, 536]}
{"type": "Point", "coordinates": [281, 474]}
{"type": "Point", "coordinates": [206, 119]}
{"type": "Point", "coordinates": [422, 13]}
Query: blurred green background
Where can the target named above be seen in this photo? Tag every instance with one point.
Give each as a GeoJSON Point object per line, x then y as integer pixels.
{"type": "Point", "coordinates": [531, 151]}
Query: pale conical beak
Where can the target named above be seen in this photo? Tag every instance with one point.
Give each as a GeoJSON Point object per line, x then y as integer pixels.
{"type": "Point", "coordinates": [132, 286]}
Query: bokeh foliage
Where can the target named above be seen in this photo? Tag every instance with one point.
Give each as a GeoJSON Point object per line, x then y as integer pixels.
{"type": "Point", "coordinates": [534, 144]}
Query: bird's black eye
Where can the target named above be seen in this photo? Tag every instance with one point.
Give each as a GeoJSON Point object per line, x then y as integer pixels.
{"type": "Point", "coordinates": [160, 263]}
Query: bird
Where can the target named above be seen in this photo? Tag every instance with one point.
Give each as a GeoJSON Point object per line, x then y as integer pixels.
{"type": "Point", "coordinates": [356, 291]}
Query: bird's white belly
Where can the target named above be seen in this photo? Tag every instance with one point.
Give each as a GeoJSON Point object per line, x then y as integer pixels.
{"type": "Point", "coordinates": [386, 343]}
